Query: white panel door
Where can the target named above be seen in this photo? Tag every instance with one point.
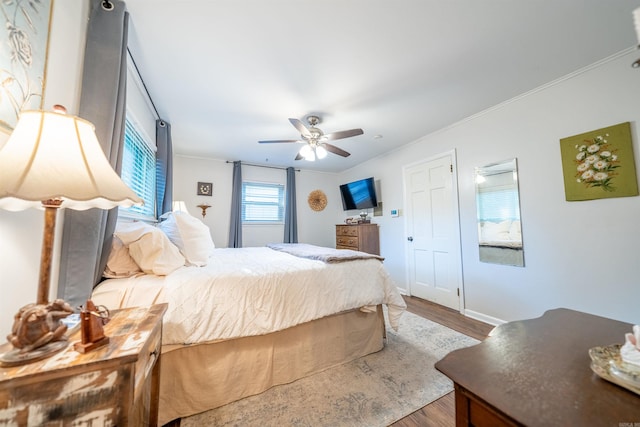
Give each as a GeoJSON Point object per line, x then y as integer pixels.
{"type": "Point", "coordinates": [433, 243]}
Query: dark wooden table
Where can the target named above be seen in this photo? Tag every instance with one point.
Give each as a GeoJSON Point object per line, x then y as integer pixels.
{"type": "Point", "coordinates": [537, 373]}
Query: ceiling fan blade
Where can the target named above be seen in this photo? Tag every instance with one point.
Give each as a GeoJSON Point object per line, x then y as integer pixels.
{"type": "Point", "coordinates": [275, 141]}
{"type": "Point", "coordinates": [342, 134]}
{"type": "Point", "coordinates": [300, 126]}
{"type": "Point", "coordinates": [335, 150]}
{"type": "Point", "coordinates": [299, 157]}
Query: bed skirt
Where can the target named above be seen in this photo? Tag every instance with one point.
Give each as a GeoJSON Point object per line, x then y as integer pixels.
{"type": "Point", "coordinates": [197, 378]}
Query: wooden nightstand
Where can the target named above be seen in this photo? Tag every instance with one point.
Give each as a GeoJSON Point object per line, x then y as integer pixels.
{"type": "Point", "coordinates": [113, 385]}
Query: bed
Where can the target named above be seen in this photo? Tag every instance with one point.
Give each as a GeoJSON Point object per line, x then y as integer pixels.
{"type": "Point", "coordinates": [501, 242]}
{"type": "Point", "coordinates": [246, 319]}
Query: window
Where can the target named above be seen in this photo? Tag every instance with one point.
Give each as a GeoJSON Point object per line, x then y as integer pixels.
{"type": "Point", "coordinates": [139, 171]}
{"type": "Point", "coordinates": [498, 205]}
{"type": "Point", "coordinates": [262, 203]}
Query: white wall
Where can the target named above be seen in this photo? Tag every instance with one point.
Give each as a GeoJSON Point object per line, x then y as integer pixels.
{"type": "Point", "coordinates": [313, 227]}
{"type": "Point", "coordinates": [139, 107]}
{"type": "Point", "coordinates": [21, 232]}
{"type": "Point", "coordinates": [581, 255]}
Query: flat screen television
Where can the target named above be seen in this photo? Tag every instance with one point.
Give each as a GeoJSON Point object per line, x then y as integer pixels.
{"type": "Point", "coordinates": [359, 194]}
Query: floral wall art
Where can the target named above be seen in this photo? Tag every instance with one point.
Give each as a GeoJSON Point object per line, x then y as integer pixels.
{"type": "Point", "coordinates": [23, 56]}
{"type": "Point", "coordinates": [599, 164]}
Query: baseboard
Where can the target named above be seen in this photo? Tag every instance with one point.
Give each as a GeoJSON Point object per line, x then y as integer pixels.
{"type": "Point", "coordinates": [483, 317]}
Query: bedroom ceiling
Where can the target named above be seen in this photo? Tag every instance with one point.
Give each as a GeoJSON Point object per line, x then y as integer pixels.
{"type": "Point", "coordinates": [227, 74]}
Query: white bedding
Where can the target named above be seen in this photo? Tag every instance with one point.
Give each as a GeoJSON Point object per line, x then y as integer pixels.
{"type": "Point", "coordinates": [253, 291]}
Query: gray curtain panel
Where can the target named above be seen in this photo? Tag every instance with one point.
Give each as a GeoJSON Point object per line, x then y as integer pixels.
{"type": "Point", "coordinates": [235, 229]}
{"type": "Point", "coordinates": [290, 211]}
{"type": "Point", "coordinates": [164, 168]}
{"type": "Point", "coordinates": [86, 237]}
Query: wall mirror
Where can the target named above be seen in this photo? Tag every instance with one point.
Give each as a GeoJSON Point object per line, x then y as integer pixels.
{"type": "Point", "coordinates": [498, 213]}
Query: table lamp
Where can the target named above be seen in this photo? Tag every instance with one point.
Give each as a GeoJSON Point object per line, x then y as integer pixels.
{"type": "Point", "coordinates": [179, 206]}
{"type": "Point", "coordinates": [53, 160]}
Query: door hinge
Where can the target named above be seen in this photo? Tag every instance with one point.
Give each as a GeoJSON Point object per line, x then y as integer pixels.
{"type": "Point", "coordinates": [458, 289]}
{"type": "Point", "coordinates": [451, 168]}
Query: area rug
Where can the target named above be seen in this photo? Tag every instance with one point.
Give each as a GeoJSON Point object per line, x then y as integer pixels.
{"type": "Point", "coordinates": [375, 390]}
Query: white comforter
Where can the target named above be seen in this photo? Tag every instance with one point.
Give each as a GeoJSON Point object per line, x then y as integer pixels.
{"type": "Point", "coordinates": [253, 291]}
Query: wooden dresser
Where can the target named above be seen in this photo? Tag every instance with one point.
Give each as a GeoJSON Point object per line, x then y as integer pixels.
{"type": "Point", "coordinates": [116, 384]}
{"type": "Point", "coordinates": [360, 237]}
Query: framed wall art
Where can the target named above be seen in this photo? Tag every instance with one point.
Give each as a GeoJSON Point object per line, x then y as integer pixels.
{"type": "Point", "coordinates": [205, 189]}
{"type": "Point", "coordinates": [23, 57]}
{"type": "Point", "coordinates": [599, 164]}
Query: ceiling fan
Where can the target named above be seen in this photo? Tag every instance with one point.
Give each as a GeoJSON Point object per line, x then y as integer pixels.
{"type": "Point", "coordinates": [316, 140]}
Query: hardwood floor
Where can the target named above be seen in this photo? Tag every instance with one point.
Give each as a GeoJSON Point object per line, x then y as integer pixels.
{"type": "Point", "coordinates": [441, 413]}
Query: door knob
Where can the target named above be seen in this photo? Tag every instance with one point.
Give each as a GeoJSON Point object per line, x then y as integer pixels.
{"type": "Point", "coordinates": [410, 238]}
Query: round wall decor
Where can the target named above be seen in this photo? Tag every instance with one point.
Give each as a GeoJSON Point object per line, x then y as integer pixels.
{"type": "Point", "coordinates": [317, 200]}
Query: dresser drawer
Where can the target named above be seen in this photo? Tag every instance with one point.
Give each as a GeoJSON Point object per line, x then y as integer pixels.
{"type": "Point", "coordinates": [352, 242]}
{"type": "Point", "coordinates": [360, 237]}
{"type": "Point", "coordinates": [345, 230]}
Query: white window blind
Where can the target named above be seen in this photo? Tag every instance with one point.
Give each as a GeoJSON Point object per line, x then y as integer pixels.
{"type": "Point", "coordinates": [262, 202]}
{"type": "Point", "coordinates": [498, 205]}
{"type": "Point", "coordinates": [139, 171]}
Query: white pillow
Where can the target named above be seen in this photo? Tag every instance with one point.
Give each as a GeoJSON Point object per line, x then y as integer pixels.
{"type": "Point", "coordinates": [492, 232]}
{"type": "Point", "coordinates": [190, 235]}
{"type": "Point", "coordinates": [120, 264]}
{"type": "Point", "coordinates": [129, 232]}
{"type": "Point", "coordinates": [150, 248]}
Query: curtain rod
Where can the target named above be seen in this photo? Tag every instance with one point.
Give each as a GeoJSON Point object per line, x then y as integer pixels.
{"type": "Point", "coordinates": [143, 84]}
{"type": "Point", "coordinates": [262, 166]}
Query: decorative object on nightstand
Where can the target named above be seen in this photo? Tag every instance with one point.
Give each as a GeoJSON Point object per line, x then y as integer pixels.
{"type": "Point", "coordinates": [317, 200]}
{"type": "Point", "coordinates": [205, 189]}
{"type": "Point", "coordinates": [204, 208]}
{"type": "Point", "coordinates": [53, 160]}
{"type": "Point", "coordinates": [619, 364]}
{"type": "Point", "coordinates": [92, 320]}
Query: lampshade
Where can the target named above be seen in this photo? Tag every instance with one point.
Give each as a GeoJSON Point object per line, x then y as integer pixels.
{"type": "Point", "coordinates": [52, 155]}
{"type": "Point", "coordinates": [179, 206]}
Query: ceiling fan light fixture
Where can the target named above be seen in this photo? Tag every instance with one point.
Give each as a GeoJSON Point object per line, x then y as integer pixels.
{"type": "Point", "coordinates": [307, 153]}
{"type": "Point", "coordinates": [317, 141]}
{"type": "Point", "coordinates": [321, 152]}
